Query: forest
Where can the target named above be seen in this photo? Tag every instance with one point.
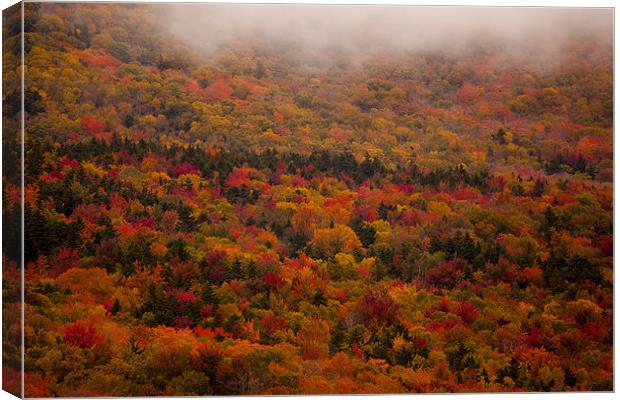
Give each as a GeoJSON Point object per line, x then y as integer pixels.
{"type": "Point", "coordinates": [249, 221]}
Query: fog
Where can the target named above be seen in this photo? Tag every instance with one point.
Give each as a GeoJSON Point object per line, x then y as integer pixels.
{"type": "Point", "coordinates": [359, 28]}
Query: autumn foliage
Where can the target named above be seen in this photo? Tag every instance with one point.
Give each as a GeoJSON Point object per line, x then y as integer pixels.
{"type": "Point", "coordinates": [262, 220]}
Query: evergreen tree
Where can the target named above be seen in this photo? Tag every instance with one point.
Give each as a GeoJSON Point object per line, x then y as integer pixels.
{"type": "Point", "coordinates": [236, 270]}
{"type": "Point", "coordinates": [365, 232]}
{"type": "Point", "coordinates": [500, 136]}
{"type": "Point", "coordinates": [459, 359]}
{"type": "Point", "coordinates": [339, 338]}
{"type": "Point", "coordinates": [116, 307]}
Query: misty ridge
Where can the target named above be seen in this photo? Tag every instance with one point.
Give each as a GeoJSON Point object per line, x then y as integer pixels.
{"type": "Point", "coordinates": [365, 30]}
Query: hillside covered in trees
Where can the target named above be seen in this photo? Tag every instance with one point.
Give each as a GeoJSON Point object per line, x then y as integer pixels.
{"type": "Point", "coordinates": [260, 220]}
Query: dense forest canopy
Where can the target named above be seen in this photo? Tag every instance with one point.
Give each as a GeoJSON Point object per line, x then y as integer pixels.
{"type": "Point", "coordinates": [260, 216]}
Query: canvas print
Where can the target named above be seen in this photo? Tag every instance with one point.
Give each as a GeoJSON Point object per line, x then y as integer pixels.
{"type": "Point", "coordinates": [253, 199]}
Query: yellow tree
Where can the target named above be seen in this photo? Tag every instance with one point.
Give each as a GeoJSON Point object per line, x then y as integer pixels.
{"type": "Point", "coordinates": [330, 241]}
